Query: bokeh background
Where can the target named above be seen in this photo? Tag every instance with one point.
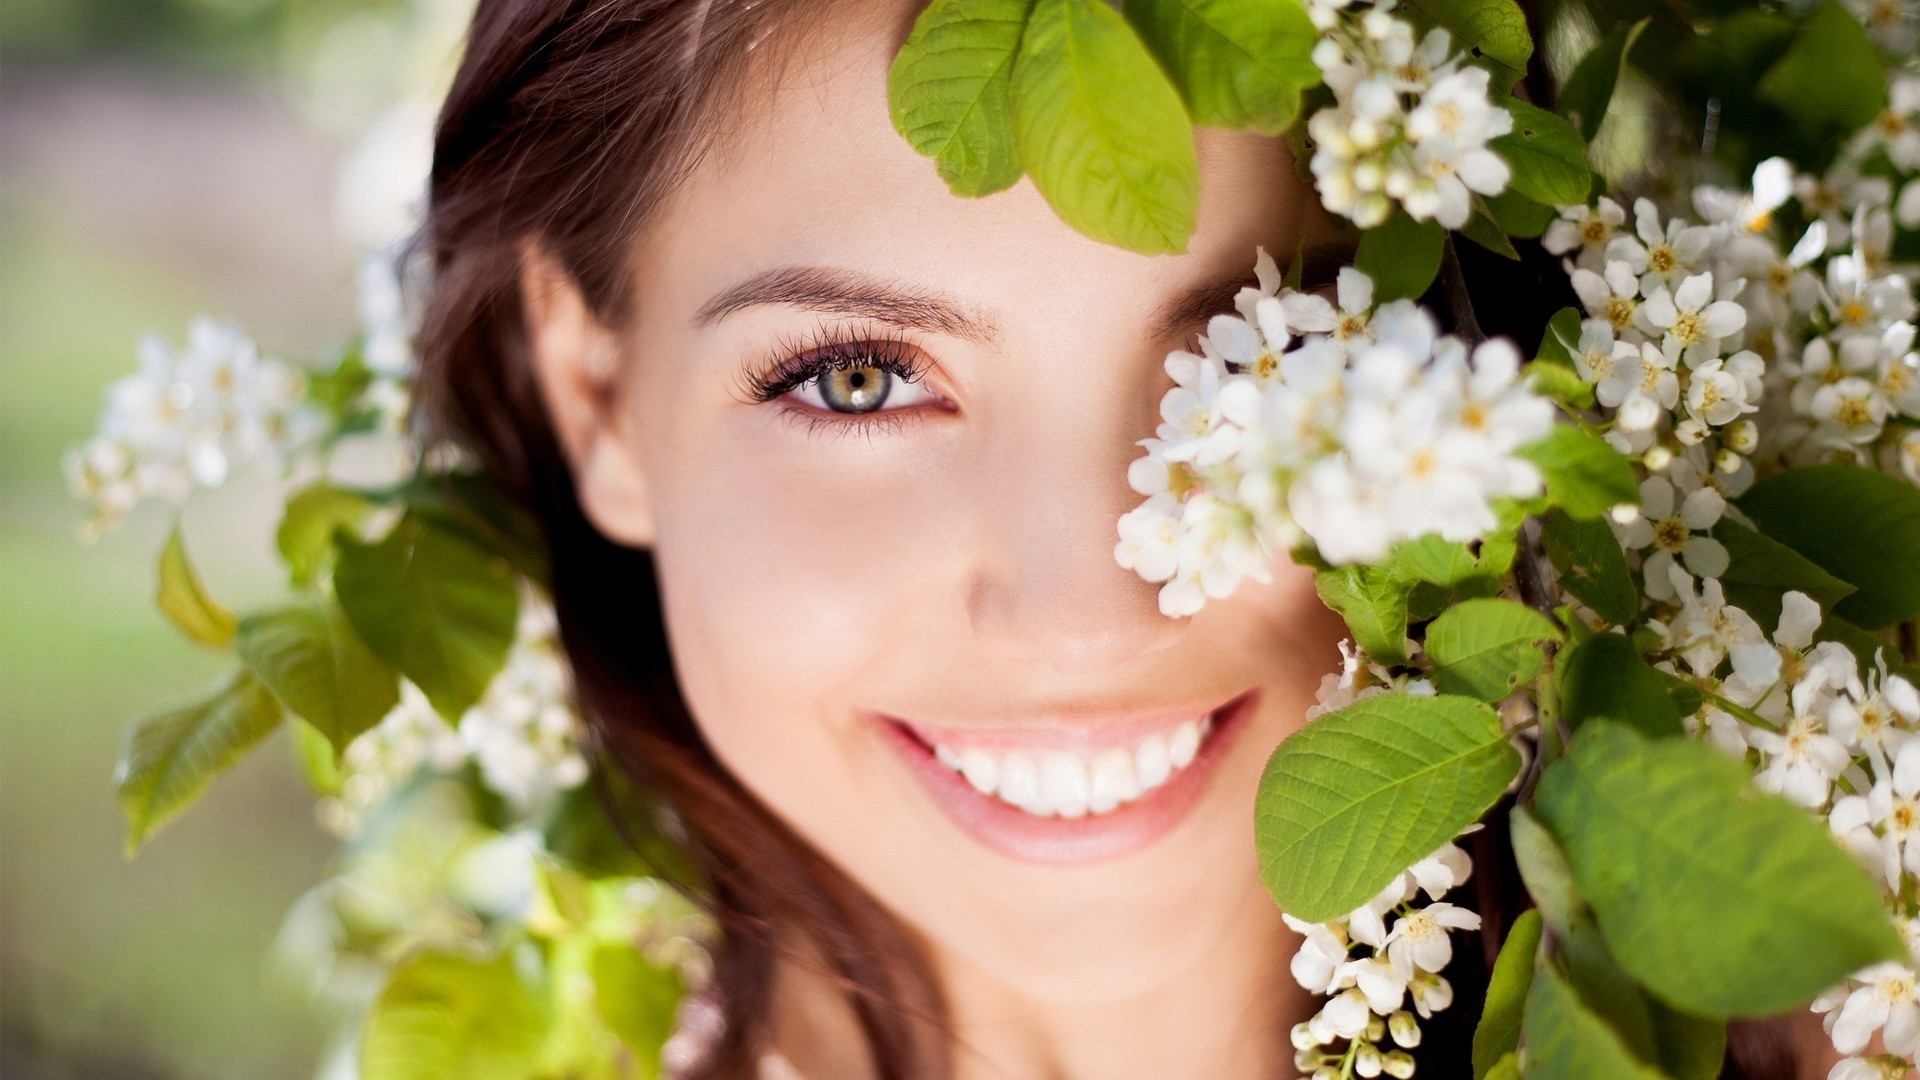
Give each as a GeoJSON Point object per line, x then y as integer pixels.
{"type": "Point", "coordinates": [160, 159]}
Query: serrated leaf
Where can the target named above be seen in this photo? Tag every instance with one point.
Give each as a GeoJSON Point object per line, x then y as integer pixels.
{"type": "Point", "coordinates": [1589, 90]}
{"type": "Point", "coordinates": [1483, 231]}
{"type": "Point", "coordinates": [1560, 384]}
{"type": "Point", "coordinates": [1488, 648]}
{"type": "Point", "coordinates": [1547, 156]}
{"type": "Point", "coordinates": [1604, 678]}
{"type": "Point", "coordinates": [1401, 255]}
{"type": "Point", "coordinates": [1761, 570]}
{"type": "Point", "coordinates": [1499, 1030]}
{"type": "Point", "coordinates": [950, 91]}
{"type": "Point", "coordinates": [1543, 867]}
{"type": "Point", "coordinates": [1561, 339]}
{"type": "Point", "coordinates": [1101, 131]}
{"type": "Point", "coordinates": [1680, 854]}
{"type": "Point", "coordinates": [1373, 602]}
{"type": "Point", "coordinates": [1364, 792]}
{"type": "Point", "coordinates": [1832, 80]}
{"type": "Point", "coordinates": [443, 1016]}
{"type": "Point", "coordinates": [1585, 477]}
{"type": "Point", "coordinates": [635, 1000]}
{"type": "Point", "coordinates": [1497, 29]}
{"type": "Point", "coordinates": [1238, 63]}
{"type": "Point", "coordinates": [430, 600]}
{"type": "Point", "coordinates": [1518, 215]}
{"type": "Point", "coordinates": [1859, 525]}
{"type": "Point", "coordinates": [1592, 566]}
{"type": "Point", "coordinates": [305, 536]}
{"type": "Point", "coordinates": [1566, 1041]}
{"type": "Point", "coordinates": [185, 600]}
{"type": "Point", "coordinates": [171, 756]}
{"type": "Point", "coordinates": [309, 656]}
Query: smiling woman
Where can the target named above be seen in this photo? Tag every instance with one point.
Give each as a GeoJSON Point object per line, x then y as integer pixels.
{"type": "Point", "coordinates": [986, 708]}
{"type": "Point", "coordinates": [911, 651]}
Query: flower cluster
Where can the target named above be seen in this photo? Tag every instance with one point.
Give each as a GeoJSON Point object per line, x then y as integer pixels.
{"type": "Point", "coordinates": [189, 419]}
{"type": "Point", "coordinates": [1410, 121]}
{"type": "Point", "coordinates": [523, 736]}
{"type": "Point", "coordinates": [1374, 963]}
{"type": "Point", "coordinates": [1349, 427]}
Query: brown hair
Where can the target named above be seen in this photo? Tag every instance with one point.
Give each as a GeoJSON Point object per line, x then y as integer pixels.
{"type": "Point", "coordinates": [568, 123]}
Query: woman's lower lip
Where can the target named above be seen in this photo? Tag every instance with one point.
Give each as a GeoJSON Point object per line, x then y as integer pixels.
{"type": "Point", "coordinates": [1020, 835]}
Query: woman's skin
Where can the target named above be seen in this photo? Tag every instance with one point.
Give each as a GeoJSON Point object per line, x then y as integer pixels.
{"type": "Point", "coordinates": [949, 564]}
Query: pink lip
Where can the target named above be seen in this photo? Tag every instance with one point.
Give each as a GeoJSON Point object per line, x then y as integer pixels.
{"type": "Point", "coordinates": [1020, 835]}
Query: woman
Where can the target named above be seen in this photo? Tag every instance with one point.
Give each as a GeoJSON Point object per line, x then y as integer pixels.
{"type": "Point", "coordinates": [829, 460]}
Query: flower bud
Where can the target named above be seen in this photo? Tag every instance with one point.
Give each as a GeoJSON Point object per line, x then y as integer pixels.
{"type": "Point", "coordinates": [1657, 458]}
{"type": "Point", "coordinates": [1690, 431]}
{"type": "Point", "coordinates": [1742, 436]}
{"type": "Point", "coordinates": [1376, 1029]}
{"type": "Point", "coordinates": [1727, 461]}
{"type": "Point", "coordinates": [1399, 1064]}
{"type": "Point", "coordinates": [1303, 1037]}
{"type": "Point", "coordinates": [1366, 1061]}
{"type": "Point", "coordinates": [1405, 1029]}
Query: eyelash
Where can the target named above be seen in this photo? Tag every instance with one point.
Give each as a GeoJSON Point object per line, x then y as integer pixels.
{"type": "Point", "coordinates": [793, 362]}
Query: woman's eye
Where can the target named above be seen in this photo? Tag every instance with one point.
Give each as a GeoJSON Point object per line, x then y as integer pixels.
{"type": "Point", "coordinates": [860, 389]}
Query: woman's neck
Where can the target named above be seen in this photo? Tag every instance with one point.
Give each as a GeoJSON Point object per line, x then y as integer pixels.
{"type": "Point", "coordinates": [1227, 1014]}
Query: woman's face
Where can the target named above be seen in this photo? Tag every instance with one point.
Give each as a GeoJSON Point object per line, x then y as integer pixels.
{"type": "Point", "coordinates": [877, 614]}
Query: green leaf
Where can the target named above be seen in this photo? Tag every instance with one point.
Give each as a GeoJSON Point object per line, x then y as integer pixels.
{"type": "Point", "coordinates": [1832, 80]}
{"type": "Point", "coordinates": [305, 537]}
{"type": "Point", "coordinates": [949, 91]}
{"type": "Point", "coordinates": [1499, 1030]}
{"type": "Point", "coordinates": [1679, 854]}
{"type": "Point", "coordinates": [309, 656]}
{"type": "Point", "coordinates": [1566, 1041]}
{"type": "Point", "coordinates": [1518, 215]}
{"type": "Point", "coordinates": [1589, 90]}
{"type": "Point", "coordinates": [1402, 256]}
{"type": "Point", "coordinates": [1603, 678]}
{"type": "Point", "coordinates": [1364, 792]}
{"type": "Point", "coordinates": [1496, 29]}
{"type": "Point", "coordinates": [171, 756]}
{"type": "Point", "coordinates": [1447, 571]}
{"type": "Point", "coordinates": [185, 600]}
{"type": "Point", "coordinates": [318, 760]}
{"type": "Point", "coordinates": [1507, 1068]}
{"type": "Point", "coordinates": [1483, 231]}
{"type": "Point", "coordinates": [1760, 570]}
{"type": "Point", "coordinates": [433, 602]}
{"type": "Point", "coordinates": [636, 1000]}
{"type": "Point", "coordinates": [1548, 157]}
{"type": "Point", "coordinates": [1373, 601]}
{"type": "Point", "coordinates": [1238, 63]}
{"type": "Point", "coordinates": [1592, 566]}
{"type": "Point", "coordinates": [1859, 525]}
{"type": "Point", "coordinates": [1585, 477]}
{"type": "Point", "coordinates": [1561, 384]}
{"type": "Point", "coordinates": [1101, 130]}
{"type": "Point", "coordinates": [443, 1016]}
{"type": "Point", "coordinates": [1488, 648]}
{"type": "Point", "coordinates": [1561, 339]}
{"type": "Point", "coordinates": [1544, 869]}
{"type": "Point", "coordinates": [1589, 967]}
{"type": "Point", "coordinates": [1691, 1047]}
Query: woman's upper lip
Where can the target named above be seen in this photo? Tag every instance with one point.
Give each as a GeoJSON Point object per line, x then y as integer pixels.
{"type": "Point", "coordinates": [1059, 729]}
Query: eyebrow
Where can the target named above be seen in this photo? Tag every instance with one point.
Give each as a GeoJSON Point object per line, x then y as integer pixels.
{"type": "Point", "coordinates": [849, 292]}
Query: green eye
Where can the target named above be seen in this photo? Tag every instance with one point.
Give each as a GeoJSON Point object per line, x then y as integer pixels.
{"type": "Point", "coordinates": [855, 389]}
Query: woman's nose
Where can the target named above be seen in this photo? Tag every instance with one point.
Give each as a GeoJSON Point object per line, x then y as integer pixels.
{"type": "Point", "coordinates": [1046, 588]}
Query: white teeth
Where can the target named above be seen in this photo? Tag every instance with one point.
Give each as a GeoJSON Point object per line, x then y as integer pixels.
{"type": "Point", "coordinates": [1152, 761]}
{"type": "Point", "coordinates": [1063, 784]}
{"type": "Point", "coordinates": [980, 770]}
{"type": "Point", "coordinates": [1019, 781]}
{"type": "Point", "coordinates": [1068, 785]}
{"type": "Point", "coordinates": [1114, 781]}
{"type": "Point", "coordinates": [1183, 744]}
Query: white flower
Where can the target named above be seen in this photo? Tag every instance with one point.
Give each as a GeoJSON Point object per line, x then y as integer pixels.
{"type": "Point", "coordinates": [1890, 23]}
{"type": "Point", "coordinates": [1674, 509]}
{"type": "Point", "coordinates": [523, 733]}
{"type": "Point", "coordinates": [1661, 255]}
{"type": "Point", "coordinates": [1419, 939]}
{"type": "Point", "coordinates": [1323, 949]}
{"type": "Point", "coordinates": [1884, 998]}
{"type": "Point", "coordinates": [1750, 211]}
{"type": "Point", "coordinates": [1691, 319]}
{"type": "Point", "coordinates": [1589, 228]}
{"type": "Point", "coordinates": [1708, 627]}
{"type": "Point", "coordinates": [1897, 128]}
{"type": "Point", "coordinates": [1858, 301]}
{"type": "Point", "coordinates": [1716, 393]}
{"type": "Point", "coordinates": [1642, 386]}
{"type": "Point", "coordinates": [1613, 295]}
{"type": "Point", "coordinates": [1850, 411]}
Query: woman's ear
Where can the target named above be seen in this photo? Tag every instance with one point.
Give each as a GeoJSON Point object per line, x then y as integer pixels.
{"type": "Point", "coordinates": [574, 362]}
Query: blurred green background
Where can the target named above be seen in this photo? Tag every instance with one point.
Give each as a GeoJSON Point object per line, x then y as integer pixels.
{"type": "Point", "coordinates": [158, 159]}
